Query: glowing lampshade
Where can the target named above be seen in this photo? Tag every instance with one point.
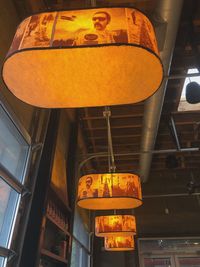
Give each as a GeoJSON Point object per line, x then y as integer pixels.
{"type": "Point", "coordinates": [83, 58]}
{"type": "Point", "coordinates": [119, 243]}
{"type": "Point", "coordinates": [109, 191]}
{"type": "Point", "coordinates": [115, 225]}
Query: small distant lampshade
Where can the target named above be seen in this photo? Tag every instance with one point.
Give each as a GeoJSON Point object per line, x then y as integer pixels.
{"type": "Point", "coordinates": [115, 225]}
{"type": "Point", "coordinates": [119, 243]}
{"type": "Point", "coordinates": [193, 93]}
{"type": "Point", "coordinates": [109, 191]}
{"type": "Point", "coordinates": [84, 58]}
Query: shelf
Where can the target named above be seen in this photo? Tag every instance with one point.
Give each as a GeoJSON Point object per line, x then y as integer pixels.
{"type": "Point", "coordinates": [56, 197]}
{"type": "Point", "coordinates": [51, 255]}
{"type": "Point", "coordinates": [57, 224]}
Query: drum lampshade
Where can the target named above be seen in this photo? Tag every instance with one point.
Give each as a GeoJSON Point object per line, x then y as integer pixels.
{"type": "Point", "coordinates": [115, 225]}
{"type": "Point", "coordinates": [119, 243]}
{"type": "Point", "coordinates": [109, 191]}
{"type": "Point", "coordinates": [84, 58]}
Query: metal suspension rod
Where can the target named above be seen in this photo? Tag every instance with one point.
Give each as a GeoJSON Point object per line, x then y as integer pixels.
{"type": "Point", "coordinates": [171, 195]}
{"type": "Point", "coordinates": [107, 114]}
{"type": "Point", "coordinates": [93, 3]}
{"type": "Point", "coordinates": [175, 133]}
{"type": "Point", "coordinates": [182, 76]}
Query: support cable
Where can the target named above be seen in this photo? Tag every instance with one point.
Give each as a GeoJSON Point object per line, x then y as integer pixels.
{"type": "Point", "coordinates": [107, 114]}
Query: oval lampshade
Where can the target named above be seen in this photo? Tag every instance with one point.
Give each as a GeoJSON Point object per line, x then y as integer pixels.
{"type": "Point", "coordinates": [119, 243]}
{"type": "Point", "coordinates": [84, 58]}
{"type": "Point", "coordinates": [109, 191]}
{"type": "Point", "coordinates": [115, 225]}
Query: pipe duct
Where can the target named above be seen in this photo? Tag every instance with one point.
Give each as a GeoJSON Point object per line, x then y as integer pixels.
{"type": "Point", "coordinates": [169, 12]}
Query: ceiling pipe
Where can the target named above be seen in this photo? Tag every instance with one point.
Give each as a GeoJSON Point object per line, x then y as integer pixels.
{"type": "Point", "coordinates": [169, 11]}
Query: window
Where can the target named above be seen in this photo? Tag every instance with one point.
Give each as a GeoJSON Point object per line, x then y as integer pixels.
{"type": "Point", "coordinates": [14, 154]}
{"type": "Point", "coordinates": [169, 252]}
{"type": "Point", "coordinates": [2, 260]}
{"type": "Point", "coordinates": [81, 244]}
{"type": "Point", "coordinates": [183, 104]}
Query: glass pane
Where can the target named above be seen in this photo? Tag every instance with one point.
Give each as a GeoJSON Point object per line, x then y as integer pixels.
{"type": "Point", "coordinates": [156, 262]}
{"type": "Point", "coordinates": [8, 204]}
{"type": "Point", "coordinates": [169, 246]}
{"type": "Point", "coordinates": [13, 148]}
{"type": "Point", "coordinates": [85, 258]}
{"type": "Point", "coordinates": [76, 254]}
{"type": "Point", "coordinates": [80, 231]}
{"type": "Point", "coordinates": [1, 261]}
{"type": "Point", "coordinates": [189, 262]}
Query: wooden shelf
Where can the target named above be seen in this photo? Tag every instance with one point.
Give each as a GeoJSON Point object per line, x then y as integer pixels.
{"type": "Point", "coordinates": [53, 256]}
{"type": "Point", "coordinates": [55, 196]}
{"type": "Point", "coordinates": [58, 225]}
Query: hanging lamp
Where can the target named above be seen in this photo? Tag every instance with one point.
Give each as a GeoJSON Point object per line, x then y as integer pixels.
{"type": "Point", "coordinates": [115, 225]}
{"type": "Point", "coordinates": [83, 58]}
{"type": "Point", "coordinates": [119, 243]}
{"type": "Point", "coordinates": [110, 190]}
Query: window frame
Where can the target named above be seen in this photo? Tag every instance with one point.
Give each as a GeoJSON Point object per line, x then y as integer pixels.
{"type": "Point", "coordinates": [15, 185]}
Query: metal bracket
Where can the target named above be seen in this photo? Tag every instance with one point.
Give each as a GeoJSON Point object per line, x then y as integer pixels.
{"type": "Point", "coordinates": [7, 253]}
{"type": "Point", "coordinates": [26, 192]}
{"type": "Point", "coordinates": [35, 147]}
{"type": "Point", "coordinates": [106, 113]}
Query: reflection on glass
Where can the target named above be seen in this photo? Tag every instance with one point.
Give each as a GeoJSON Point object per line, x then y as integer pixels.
{"type": "Point", "coordinates": [79, 230]}
{"type": "Point", "coordinates": [85, 258]}
{"type": "Point", "coordinates": [2, 262]}
{"type": "Point", "coordinates": [170, 245]}
{"type": "Point", "coordinates": [76, 254]}
{"type": "Point", "coordinates": [8, 202]}
{"type": "Point", "coordinates": [189, 262]}
{"type": "Point", "coordinates": [157, 262]}
{"type": "Point", "coordinates": [13, 148]}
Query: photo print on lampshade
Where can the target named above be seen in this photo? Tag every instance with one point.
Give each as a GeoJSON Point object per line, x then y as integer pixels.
{"type": "Point", "coordinates": [109, 191]}
{"type": "Point", "coordinates": [84, 58]}
{"type": "Point", "coordinates": [119, 243]}
{"type": "Point", "coordinates": [113, 225]}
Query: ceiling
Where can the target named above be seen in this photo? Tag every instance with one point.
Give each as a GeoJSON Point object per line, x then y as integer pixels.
{"type": "Point", "coordinates": [170, 171]}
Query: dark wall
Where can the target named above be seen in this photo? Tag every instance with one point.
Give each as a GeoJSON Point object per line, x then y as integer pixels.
{"type": "Point", "coordinates": [115, 259]}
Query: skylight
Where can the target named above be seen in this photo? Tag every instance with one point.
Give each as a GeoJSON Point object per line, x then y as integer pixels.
{"type": "Point", "coordinates": [183, 104]}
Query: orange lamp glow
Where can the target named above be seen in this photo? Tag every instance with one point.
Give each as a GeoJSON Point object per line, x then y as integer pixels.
{"type": "Point", "coordinates": [109, 191]}
{"type": "Point", "coordinates": [84, 58]}
{"type": "Point", "coordinates": [119, 243]}
{"type": "Point", "coordinates": [115, 225]}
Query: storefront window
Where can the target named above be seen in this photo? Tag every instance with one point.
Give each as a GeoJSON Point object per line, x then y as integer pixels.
{"type": "Point", "coordinates": [13, 148]}
{"type": "Point", "coordinates": [14, 152]}
{"type": "Point", "coordinates": [8, 204]}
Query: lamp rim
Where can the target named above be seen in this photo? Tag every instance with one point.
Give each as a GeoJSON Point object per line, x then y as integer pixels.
{"type": "Point", "coordinates": [115, 215]}
{"type": "Point", "coordinates": [111, 198]}
{"type": "Point", "coordinates": [87, 8]}
{"type": "Point", "coordinates": [119, 249]}
{"type": "Point", "coordinates": [116, 233]}
{"type": "Point", "coordinates": [80, 47]}
{"type": "Point", "coordinates": [105, 173]}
